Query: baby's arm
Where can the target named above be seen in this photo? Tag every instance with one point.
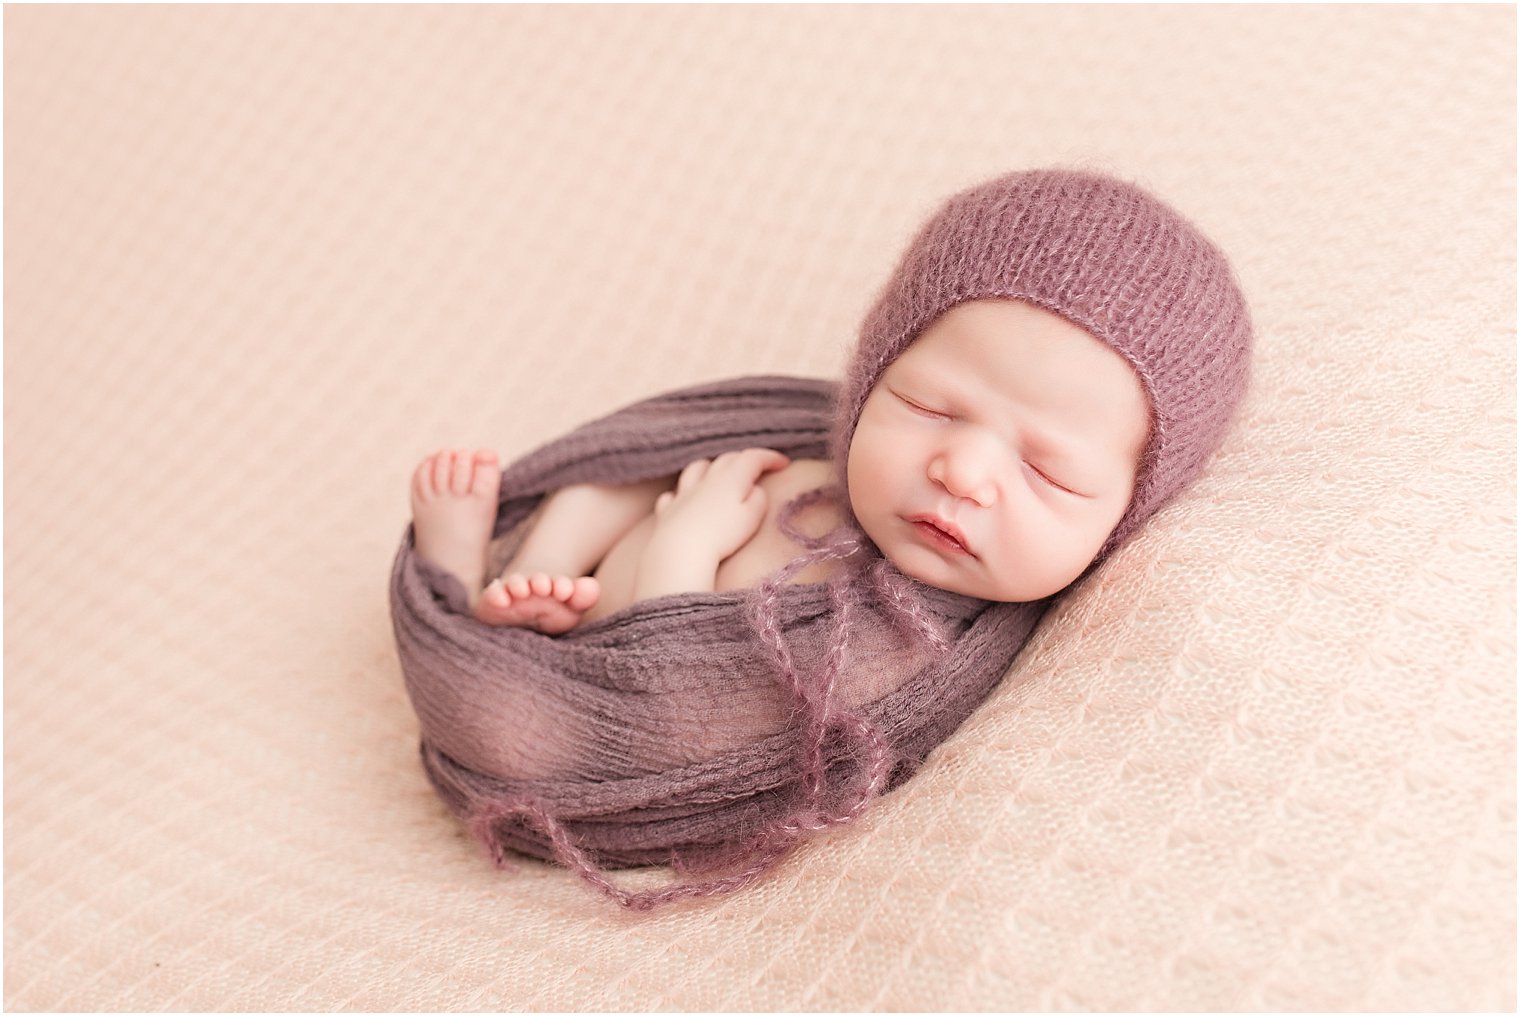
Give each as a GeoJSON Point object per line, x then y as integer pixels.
{"type": "Point", "coordinates": [716, 506]}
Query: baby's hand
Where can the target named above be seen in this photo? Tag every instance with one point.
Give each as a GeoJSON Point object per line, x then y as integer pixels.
{"type": "Point", "coordinates": [717, 502]}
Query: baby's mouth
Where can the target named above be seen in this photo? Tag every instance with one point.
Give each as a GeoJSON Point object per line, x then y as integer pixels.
{"type": "Point", "coordinates": [940, 533]}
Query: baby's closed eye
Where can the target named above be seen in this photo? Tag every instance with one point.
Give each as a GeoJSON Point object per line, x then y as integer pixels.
{"type": "Point", "coordinates": [1047, 479]}
{"type": "Point", "coordinates": [920, 408]}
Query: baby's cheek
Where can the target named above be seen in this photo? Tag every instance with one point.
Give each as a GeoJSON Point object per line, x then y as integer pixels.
{"type": "Point", "coordinates": [862, 470]}
{"type": "Point", "coordinates": [1027, 546]}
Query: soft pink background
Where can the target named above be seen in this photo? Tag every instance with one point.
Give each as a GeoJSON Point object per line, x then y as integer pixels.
{"type": "Point", "coordinates": [259, 260]}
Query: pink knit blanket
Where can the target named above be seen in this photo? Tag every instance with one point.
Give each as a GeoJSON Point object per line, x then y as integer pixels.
{"type": "Point", "coordinates": [711, 731]}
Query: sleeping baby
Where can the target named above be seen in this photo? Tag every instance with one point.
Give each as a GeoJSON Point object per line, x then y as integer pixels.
{"type": "Point", "coordinates": [735, 613]}
{"type": "Point", "coordinates": [993, 458]}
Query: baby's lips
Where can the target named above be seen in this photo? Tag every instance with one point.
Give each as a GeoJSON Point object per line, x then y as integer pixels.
{"type": "Point", "coordinates": [949, 529]}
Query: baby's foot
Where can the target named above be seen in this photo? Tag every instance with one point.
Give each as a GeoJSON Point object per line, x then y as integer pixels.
{"type": "Point", "coordinates": [548, 603]}
{"type": "Point", "coordinates": [453, 511]}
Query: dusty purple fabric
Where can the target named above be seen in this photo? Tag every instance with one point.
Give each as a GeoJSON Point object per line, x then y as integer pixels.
{"type": "Point", "coordinates": [713, 731]}
{"type": "Point", "coordinates": [666, 732]}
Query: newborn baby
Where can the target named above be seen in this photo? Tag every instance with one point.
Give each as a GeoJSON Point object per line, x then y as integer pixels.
{"type": "Point", "coordinates": [768, 599]}
{"type": "Point", "coordinates": [993, 458]}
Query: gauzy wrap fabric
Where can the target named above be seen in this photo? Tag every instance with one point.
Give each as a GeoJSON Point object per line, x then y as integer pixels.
{"type": "Point", "coordinates": [709, 729]}
{"type": "Point", "coordinates": [667, 732]}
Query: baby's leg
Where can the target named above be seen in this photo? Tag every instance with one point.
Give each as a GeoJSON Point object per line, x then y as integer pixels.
{"type": "Point", "coordinates": [547, 585]}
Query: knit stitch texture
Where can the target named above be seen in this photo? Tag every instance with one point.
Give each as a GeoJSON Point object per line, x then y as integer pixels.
{"type": "Point", "coordinates": [1107, 256]}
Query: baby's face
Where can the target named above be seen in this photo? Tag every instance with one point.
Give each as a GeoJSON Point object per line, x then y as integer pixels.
{"type": "Point", "coordinates": [1010, 425]}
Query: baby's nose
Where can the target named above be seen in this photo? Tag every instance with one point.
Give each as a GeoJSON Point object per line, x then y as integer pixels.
{"type": "Point", "coordinates": [964, 472]}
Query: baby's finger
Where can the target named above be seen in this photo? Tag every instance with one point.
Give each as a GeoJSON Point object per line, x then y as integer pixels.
{"type": "Point", "coordinates": [753, 463]}
{"type": "Point", "coordinates": [692, 474]}
{"type": "Point", "coordinates": [771, 460]}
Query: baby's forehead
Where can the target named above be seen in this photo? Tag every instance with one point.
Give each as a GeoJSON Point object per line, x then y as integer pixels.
{"type": "Point", "coordinates": [1006, 339]}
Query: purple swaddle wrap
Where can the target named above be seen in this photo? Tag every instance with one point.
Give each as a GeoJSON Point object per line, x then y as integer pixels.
{"type": "Point", "coordinates": [713, 731]}
{"type": "Point", "coordinates": [666, 731]}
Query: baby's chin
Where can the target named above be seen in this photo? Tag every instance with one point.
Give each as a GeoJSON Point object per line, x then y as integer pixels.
{"type": "Point", "coordinates": [916, 565]}
{"type": "Point", "coordinates": [933, 572]}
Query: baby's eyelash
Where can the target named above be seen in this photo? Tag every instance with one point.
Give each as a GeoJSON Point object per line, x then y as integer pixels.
{"type": "Point", "coordinates": [1053, 483]}
{"type": "Point", "coordinates": [925, 410]}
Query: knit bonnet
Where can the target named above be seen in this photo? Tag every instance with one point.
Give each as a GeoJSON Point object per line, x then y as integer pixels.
{"type": "Point", "coordinates": [1110, 258]}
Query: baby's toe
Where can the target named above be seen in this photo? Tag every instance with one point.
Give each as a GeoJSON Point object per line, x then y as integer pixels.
{"type": "Point", "coordinates": [561, 587]}
{"type": "Point", "coordinates": [422, 478]}
{"type": "Point", "coordinates": [517, 585]}
{"type": "Point", "coordinates": [442, 471]}
{"type": "Point", "coordinates": [541, 584]}
{"type": "Point", "coordinates": [425, 479]}
{"type": "Point", "coordinates": [585, 593]}
{"type": "Point", "coordinates": [485, 473]}
{"type": "Point", "coordinates": [461, 471]}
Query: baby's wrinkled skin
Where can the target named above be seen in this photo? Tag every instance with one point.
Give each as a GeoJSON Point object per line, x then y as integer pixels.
{"type": "Point", "coordinates": [1003, 424]}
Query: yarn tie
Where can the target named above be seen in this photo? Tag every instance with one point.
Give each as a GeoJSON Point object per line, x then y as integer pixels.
{"type": "Point", "coordinates": [819, 715]}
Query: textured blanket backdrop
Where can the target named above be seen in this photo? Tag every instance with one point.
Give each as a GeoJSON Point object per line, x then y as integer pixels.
{"type": "Point", "coordinates": [260, 260]}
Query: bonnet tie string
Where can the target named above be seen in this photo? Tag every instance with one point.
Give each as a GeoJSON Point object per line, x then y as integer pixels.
{"type": "Point", "coordinates": [816, 711]}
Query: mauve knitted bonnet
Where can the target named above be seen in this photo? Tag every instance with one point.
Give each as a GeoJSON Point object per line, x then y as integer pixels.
{"type": "Point", "coordinates": [714, 731]}
{"type": "Point", "coordinates": [1106, 256]}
